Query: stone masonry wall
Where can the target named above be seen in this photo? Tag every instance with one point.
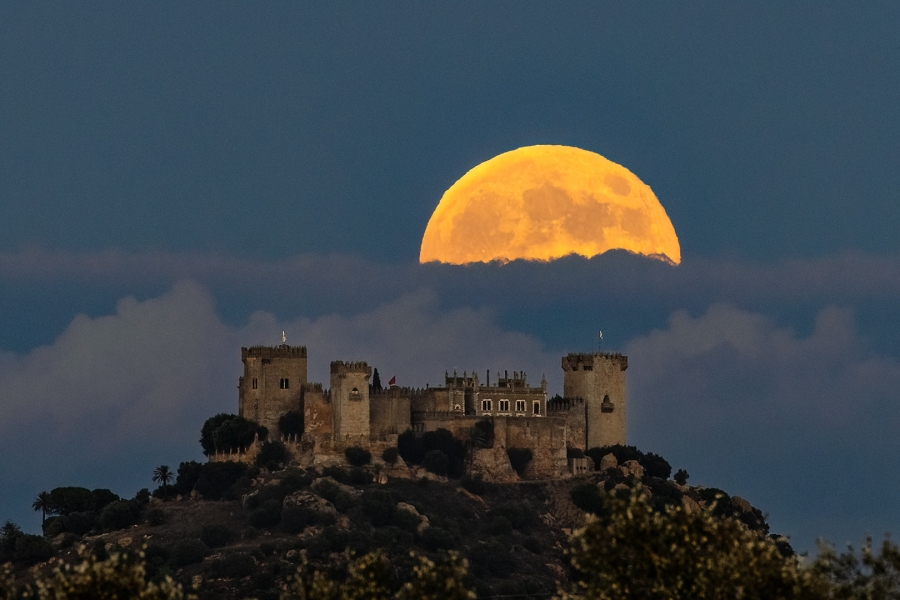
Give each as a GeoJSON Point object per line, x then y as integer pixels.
{"type": "Point", "coordinates": [350, 398]}
{"type": "Point", "coordinates": [272, 383]}
{"type": "Point", "coordinates": [593, 377]}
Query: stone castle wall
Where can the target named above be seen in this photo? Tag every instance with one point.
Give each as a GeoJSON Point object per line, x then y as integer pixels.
{"type": "Point", "coordinates": [574, 411]}
{"type": "Point", "coordinates": [318, 413]}
{"type": "Point", "coordinates": [272, 383]}
{"type": "Point", "coordinates": [350, 399]}
{"type": "Point", "coordinates": [600, 380]}
{"type": "Point", "coordinates": [389, 413]}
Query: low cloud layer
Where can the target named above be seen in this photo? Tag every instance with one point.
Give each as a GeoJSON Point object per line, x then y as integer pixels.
{"type": "Point", "coordinates": [797, 423]}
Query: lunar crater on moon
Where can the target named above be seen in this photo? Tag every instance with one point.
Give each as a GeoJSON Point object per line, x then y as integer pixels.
{"type": "Point", "coordinates": [543, 203]}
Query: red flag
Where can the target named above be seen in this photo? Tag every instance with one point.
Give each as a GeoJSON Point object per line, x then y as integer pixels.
{"type": "Point", "coordinates": [393, 380]}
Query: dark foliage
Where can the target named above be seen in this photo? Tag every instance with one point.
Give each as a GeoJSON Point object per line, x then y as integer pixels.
{"type": "Point", "coordinates": [588, 498]}
{"type": "Point", "coordinates": [142, 496]}
{"type": "Point", "coordinates": [235, 565]}
{"type": "Point", "coordinates": [53, 526]}
{"type": "Point", "coordinates": [267, 514]}
{"type": "Point", "coordinates": [225, 432]}
{"type": "Point", "coordinates": [654, 464]}
{"type": "Point", "coordinates": [164, 492]}
{"type": "Point", "coordinates": [410, 447]}
{"type": "Point", "coordinates": [379, 506]}
{"type": "Point", "coordinates": [338, 474]}
{"type": "Point", "coordinates": [81, 523]}
{"type": "Point", "coordinates": [330, 540]}
{"type": "Point", "coordinates": [216, 536]}
{"type": "Point", "coordinates": [295, 519]}
{"type": "Point", "coordinates": [271, 452]}
{"type": "Point", "coordinates": [156, 517]}
{"type": "Point", "coordinates": [187, 552]}
{"type": "Point", "coordinates": [436, 462]}
{"type": "Point", "coordinates": [118, 515]}
{"type": "Point", "coordinates": [188, 474]}
{"type": "Point", "coordinates": [9, 535]}
{"type": "Point", "coordinates": [291, 423]}
{"type": "Point", "coordinates": [519, 513]}
{"type": "Point", "coordinates": [474, 485]}
{"type": "Point", "coordinates": [519, 459]}
{"type": "Point", "coordinates": [357, 456]}
{"type": "Point", "coordinates": [103, 497]}
{"type": "Point", "coordinates": [360, 476]}
{"type": "Point", "coordinates": [500, 525]}
{"type": "Point", "coordinates": [390, 456]}
{"type": "Point", "coordinates": [216, 479]}
{"type": "Point", "coordinates": [31, 549]}
{"type": "Point", "coordinates": [436, 538]}
{"type": "Point", "coordinates": [574, 452]}
{"type": "Point", "coordinates": [376, 382]}
{"type": "Point", "coordinates": [66, 500]}
{"type": "Point", "coordinates": [681, 477]}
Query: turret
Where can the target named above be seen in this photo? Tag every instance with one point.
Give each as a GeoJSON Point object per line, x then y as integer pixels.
{"type": "Point", "coordinates": [350, 398]}
{"type": "Point", "coordinates": [599, 379]}
{"type": "Point", "coordinates": [272, 381]}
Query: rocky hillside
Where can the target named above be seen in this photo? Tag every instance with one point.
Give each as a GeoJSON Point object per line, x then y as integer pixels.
{"type": "Point", "coordinates": [250, 542]}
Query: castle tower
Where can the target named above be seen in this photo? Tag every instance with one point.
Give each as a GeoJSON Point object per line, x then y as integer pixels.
{"type": "Point", "coordinates": [599, 379]}
{"type": "Point", "coordinates": [350, 399]}
{"type": "Point", "coordinates": [272, 382]}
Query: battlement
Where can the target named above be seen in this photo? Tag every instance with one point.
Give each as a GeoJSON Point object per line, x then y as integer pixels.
{"type": "Point", "coordinates": [312, 387]}
{"type": "Point", "coordinates": [517, 380]}
{"type": "Point", "coordinates": [463, 381]}
{"type": "Point", "coordinates": [586, 362]}
{"type": "Point", "coordinates": [339, 367]}
{"type": "Point", "coordinates": [563, 404]}
{"type": "Point", "coordinates": [283, 351]}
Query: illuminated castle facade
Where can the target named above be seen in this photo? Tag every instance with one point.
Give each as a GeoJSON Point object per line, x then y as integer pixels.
{"type": "Point", "coordinates": [354, 412]}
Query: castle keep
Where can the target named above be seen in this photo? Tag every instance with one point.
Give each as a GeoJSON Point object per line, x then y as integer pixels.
{"type": "Point", "coordinates": [354, 412]}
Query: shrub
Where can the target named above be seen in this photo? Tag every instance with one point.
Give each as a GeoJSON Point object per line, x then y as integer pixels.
{"type": "Point", "coordinates": [330, 540]}
{"type": "Point", "coordinates": [271, 452]}
{"type": "Point", "coordinates": [444, 441]}
{"type": "Point", "coordinates": [436, 462]}
{"type": "Point", "coordinates": [681, 477]}
{"type": "Point", "coordinates": [519, 513]}
{"type": "Point", "coordinates": [587, 497]}
{"type": "Point", "coordinates": [188, 474]}
{"type": "Point", "coordinates": [436, 538]}
{"type": "Point", "coordinates": [655, 466]}
{"type": "Point", "coordinates": [519, 459]}
{"type": "Point", "coordinates": [338, 474]}
{"type": "Point", "coordinates": [360, 476]}
{"type": "Point", "coordinates": [574, 452]}
{"type": "Point", "coordinates": [31, 549]}
{"type": "Point", "coordinates": [533, 545]}
{"type": "Point", "coordinates": [358, 456]}
{"type": "Point", "coordinates": [142, 496]}
{"type": "Point", "coordinates": [379, 506]}
{"type": "Point", "coordinates": [216, 479]}
{"type": "Point", "coordinates": [216, 535]}
{"type": "Point", "coordinates": [156, 517]}
{"type": "Point", "coordinates": [294, 519]}
{"type": "Point", "coordinates": [343, 501]}
{"type": "Point", "coordinates": [267, 515]}
{"type": "Point", "coordinates": [117, 515]}
{"type": "Point", "coordinates": [474, 485]}
{"type": "Point", "coordinates": [500, 526]}
{"type": "Point", "coordinates": [235, 565]}
{"type": "Point", "coordinates": [80, 523]}
{"type": "Point", "coordinates": [187, 552]}
{"type": "Point", "coordinates": [164, 492]}
{"type": "Point", "coordinates": [410, 447]}
{"type": "Point", "coordinates": [291, 423]}
{"type": "Point", "coordinates": [390, 456]}
{"type": "Point", "coordinates": [53, 526]}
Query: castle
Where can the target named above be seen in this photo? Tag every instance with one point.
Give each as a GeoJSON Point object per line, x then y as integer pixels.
{"type": "Point", "coordinates": [354, 411]}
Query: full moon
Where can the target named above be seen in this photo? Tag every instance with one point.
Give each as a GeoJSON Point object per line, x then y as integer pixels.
{"type": "Point", "coordinates": [545, 202]}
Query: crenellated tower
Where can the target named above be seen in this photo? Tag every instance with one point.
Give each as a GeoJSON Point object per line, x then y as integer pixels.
{"type": "Point", "coordinates": [272, 383]}
{"type": "Point", "coordinates": [598, 379]}
{"type": "Point", "coordinates": [350, 399]}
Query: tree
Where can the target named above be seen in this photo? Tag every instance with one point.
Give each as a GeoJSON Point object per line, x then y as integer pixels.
{"type": "Point", "coordinates": [376, 382]}
{"type": "Point", "coordinates": [163, 476]}
{"type": "Point", "coordinates": [519, 459]}
{"type": "Point", "coordinates": [42, 503]}
{"type": "Point", "coordinates": [358, 456]}
{"type": "Point", "coordinates": [869, 576]}
{"type": "Point", "coordinates": [638, 552]}
{"type": "Point", "coordinates": [291, 423]}
{"type": "Point", "coordinates": [681, 477]}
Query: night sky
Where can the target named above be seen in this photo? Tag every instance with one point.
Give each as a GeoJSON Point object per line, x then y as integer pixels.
{"type": "Point", "coordinates": [180, 180]}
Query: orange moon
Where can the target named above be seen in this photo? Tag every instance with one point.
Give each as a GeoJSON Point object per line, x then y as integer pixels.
{"type": "Point", "coordinates": [545, 202]}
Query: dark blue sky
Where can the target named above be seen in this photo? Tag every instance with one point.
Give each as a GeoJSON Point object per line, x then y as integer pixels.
{"type": "Point", "coordinates": [281, 162]}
